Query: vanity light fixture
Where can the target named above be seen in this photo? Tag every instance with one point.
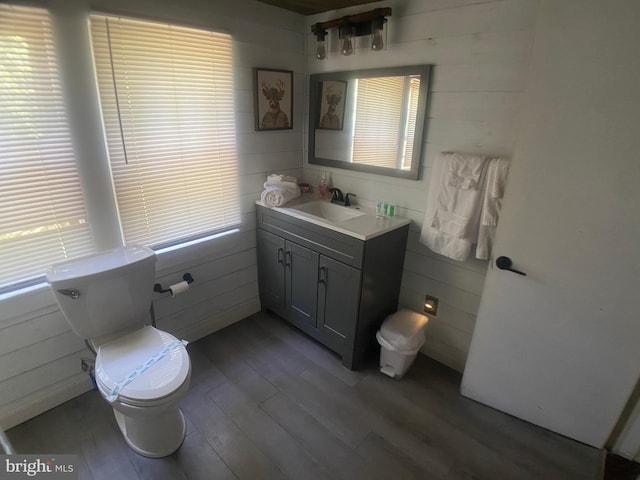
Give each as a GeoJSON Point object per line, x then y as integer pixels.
{"type": "Point", "coordinates": [366, 23]}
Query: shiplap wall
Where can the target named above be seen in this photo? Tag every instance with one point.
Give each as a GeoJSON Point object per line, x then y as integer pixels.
{"type": "Point", "coordinates": [480, 51]}
{"type": "Point", "coordinates": [39, 355]}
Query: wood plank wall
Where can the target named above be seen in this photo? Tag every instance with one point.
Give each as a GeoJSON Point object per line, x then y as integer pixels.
{"type": "Point", "coordinates": [39, 355]}
{"type": "Point", "coordinates": [480, 51]}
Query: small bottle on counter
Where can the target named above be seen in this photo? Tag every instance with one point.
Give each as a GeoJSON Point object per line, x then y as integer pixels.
{"type": "Point", "coordinates": [385, 209]}
{"type": "Point", "coordinates": [323, 186]}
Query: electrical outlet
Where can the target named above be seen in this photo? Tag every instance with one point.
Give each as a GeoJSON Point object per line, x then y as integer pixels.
{"type": "Point", "coordinates": [431, 305]}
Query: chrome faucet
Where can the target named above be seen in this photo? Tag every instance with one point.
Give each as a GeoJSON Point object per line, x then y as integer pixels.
{"type": "Point", "coordinates": [339, 198]}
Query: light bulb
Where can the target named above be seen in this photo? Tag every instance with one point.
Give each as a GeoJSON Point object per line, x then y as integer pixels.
{"type": "Point", "coordinates": [377, 42]}
{"type": "Point", "coordinates": [321, 51]}
{"type": "Point", "coordinates": [347, 45]}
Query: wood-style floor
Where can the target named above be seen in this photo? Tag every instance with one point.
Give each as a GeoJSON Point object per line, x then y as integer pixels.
{"type": "Point", "coordinates": [266, 402]}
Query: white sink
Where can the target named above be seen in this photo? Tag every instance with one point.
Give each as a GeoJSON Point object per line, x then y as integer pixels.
{"type": "Point", "coordinates": [358, 222]}
{"type": "Point", "coordinates": [328, 211]}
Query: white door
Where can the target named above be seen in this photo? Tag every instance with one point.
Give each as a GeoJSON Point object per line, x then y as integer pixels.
{"type": "Point", "coordinates": [560, 347]}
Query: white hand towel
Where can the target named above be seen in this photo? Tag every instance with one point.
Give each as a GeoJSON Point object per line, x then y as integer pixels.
{"type": "Point", "coordinates": [498, 180]}
{"type": "Point", "coordinates": [464, 171]}
{"type": "Point", "coordinates": [497, 172]}
{"type": "Point", "coordinates": [438, 241]}
{"type": "Point", "coordinates": [459, 197]}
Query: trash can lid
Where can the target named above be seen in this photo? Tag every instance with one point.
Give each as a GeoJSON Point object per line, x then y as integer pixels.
{"type": "Point", "coordinates": [404, 329]}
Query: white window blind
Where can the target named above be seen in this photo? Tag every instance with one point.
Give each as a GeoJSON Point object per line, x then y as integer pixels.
{"type": "Point", "coordinates": [167, 102]}
{"type": "Point", "coordinates": [42, 214]}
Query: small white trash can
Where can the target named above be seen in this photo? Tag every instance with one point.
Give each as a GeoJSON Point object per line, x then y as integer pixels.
{"type": "Point", "coordinates": [400, 337]}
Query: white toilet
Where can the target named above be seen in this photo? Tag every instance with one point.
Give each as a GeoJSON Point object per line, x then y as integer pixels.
{"type": "Point", "coordinates": [142, 371]}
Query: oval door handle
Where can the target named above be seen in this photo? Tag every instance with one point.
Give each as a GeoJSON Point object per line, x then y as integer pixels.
{"type": "Point", "coordinates": [504, 263]}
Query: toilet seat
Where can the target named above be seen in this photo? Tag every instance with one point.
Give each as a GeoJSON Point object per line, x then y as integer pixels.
{"type": "Point", "coordinates": [118, 358]}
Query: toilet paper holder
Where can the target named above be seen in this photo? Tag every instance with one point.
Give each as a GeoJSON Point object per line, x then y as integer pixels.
{"type": "Point", "coordinates": [158, 288]}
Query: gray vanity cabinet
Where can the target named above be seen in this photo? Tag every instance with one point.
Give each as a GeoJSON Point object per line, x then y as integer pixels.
{"type": "Point", "coordinates": [338, 294]}
{"type": "Point", "coordinates": [300, 281]}
{"type": "Point", "coordinates": [332, 286]}
{"type": "Point", "coordinates": [271, 270]}
{"type": "Point", "coordinates": [312, 291]}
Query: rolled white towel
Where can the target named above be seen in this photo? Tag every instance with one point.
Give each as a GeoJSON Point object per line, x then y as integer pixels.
{"type": "Point", "coordinates": [278, 196]}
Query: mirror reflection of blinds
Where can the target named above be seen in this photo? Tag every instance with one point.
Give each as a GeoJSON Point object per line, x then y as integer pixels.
{"type": "Point", "coordinates": [167, 102]}
{"type": "Point", "coordinates": [42, 215]}
{"type": "Point", "coordinates": [385, 121]}
{"type": "Point", "coordinates": [414, 94]}
{"type": "Point", "coordinates": [377, 121]}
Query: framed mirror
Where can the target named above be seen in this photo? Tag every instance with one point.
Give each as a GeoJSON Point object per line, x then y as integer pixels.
{"type": "Point", "coordinates": [369, 120]}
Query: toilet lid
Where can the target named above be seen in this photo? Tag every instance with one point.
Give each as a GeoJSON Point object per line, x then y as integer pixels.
{"type": "Point", "coordinates": [117, 359]}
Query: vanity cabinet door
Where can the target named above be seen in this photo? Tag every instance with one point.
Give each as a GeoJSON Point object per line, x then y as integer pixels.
{"type": "Point", "coordinates": [338, 300]}
{"type": "Point", "coordinates": [301, 265]}
{"type": "Point", "coordinates": [271, 252]}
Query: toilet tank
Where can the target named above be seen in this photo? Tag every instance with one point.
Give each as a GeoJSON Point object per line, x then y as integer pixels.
{"type": "Point", "coordinates": [113, 290]}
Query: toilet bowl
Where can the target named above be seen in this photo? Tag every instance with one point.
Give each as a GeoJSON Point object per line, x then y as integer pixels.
{"type": "Point", "coordinates": [146, 409]}
{"type": "Point", "coordinates": [142, 371]}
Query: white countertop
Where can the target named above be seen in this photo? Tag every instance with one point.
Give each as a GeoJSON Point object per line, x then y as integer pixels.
{"type": "Point", "coordinates": [363, 227]}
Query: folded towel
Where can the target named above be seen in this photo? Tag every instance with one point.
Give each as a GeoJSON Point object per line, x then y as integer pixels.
{"type": "Point", "coordinates": [459, 195]}
{"type": "Point", "coordinates": [278, 196]}
{"type": "Point", "coordinates": [285, 185]}
{"type": "Point", "coordinates": [457, 248]}
{"type": "Point", "coordinates": [497, 172]}
{"type": "Point", "coordinates": [276, 179]}
{"type": "Point", "coordinates": [464, 171]}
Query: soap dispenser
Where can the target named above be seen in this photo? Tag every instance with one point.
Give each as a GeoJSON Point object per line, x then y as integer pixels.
{"type": "Point", "coordinates": [323, 186]}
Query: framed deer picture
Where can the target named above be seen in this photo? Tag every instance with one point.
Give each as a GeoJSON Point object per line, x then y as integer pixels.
{"type": "Point", "coordinates": [273, 99]}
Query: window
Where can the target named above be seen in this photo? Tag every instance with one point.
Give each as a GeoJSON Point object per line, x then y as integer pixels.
{"type": "Point", "coordinates": [42, 214]}
{"type": "Point", "coordinates": [381, 102]}
{"type": "Point", "coordinates": [167, 104]}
